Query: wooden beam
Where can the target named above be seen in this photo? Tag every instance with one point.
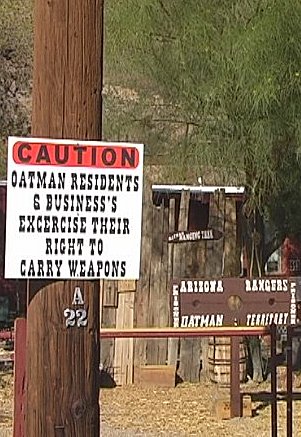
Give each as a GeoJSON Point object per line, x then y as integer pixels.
{"type": "Point", "coordinates": [184, 332]}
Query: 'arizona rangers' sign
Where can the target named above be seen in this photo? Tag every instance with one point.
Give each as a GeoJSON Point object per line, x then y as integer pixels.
{"type": "Point", "coordinates": [234, 301]}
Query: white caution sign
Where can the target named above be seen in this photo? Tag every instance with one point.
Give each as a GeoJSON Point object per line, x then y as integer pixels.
{"type": "Point", "coordinates": [73, 209]}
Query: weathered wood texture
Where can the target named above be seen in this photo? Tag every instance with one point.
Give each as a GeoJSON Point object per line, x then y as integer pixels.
{"type": "Point", "coordinates": [110, 294]}
{"type": "Point", "coordinates": [189, 365]}
{"type": "Point", "coordinates": [62, 394]}
{"type": "Point", "coordinates": [159, 291]}
{"type": "Point", "coordinates": [142, 296]}
{"type": "Point", "coordinates": [216, 255]}
{"type": "Point", "coordinates": [19, 378]}
{"type": "Point", "coordinates": [107, 346]}
{"type": "Point", "coordinates": [156, 375]}
{"type": "Point", "coordinates": [232, 248]}
{"type": "Point", "coordinates": [173, 343]}
{"type": "Point", "coordinates": [63, 364]}
{"type": "Point", "coordinates": [160, 263]}
{"type": "Point", "coordinates": [67, 76]}
{"type": "Point", "coordinates": [124, 348]}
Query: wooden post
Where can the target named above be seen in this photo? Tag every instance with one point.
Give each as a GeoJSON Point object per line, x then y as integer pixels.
{"type": "Point", "coordinates": [63, 362]}
{"type": "Point", "coordinates": [235, 379]}
{"type": "Point", "coordinates": [289, 382]}
{"type": "Point", "coordinates": [67, 76]}
{"type": "Point", "coordinates": [273, 381]}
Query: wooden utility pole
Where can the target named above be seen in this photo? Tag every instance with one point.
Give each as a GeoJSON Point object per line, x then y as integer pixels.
{"type": "Point", "coordinates": [63, 362]}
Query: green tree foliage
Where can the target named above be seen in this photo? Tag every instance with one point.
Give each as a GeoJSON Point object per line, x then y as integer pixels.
{"type": "Point", "coordinates": [213, 83]}
{"type": "Point", "coordinates": [232, 72]}
{"type": "Point", "coordinates": [15, 71]}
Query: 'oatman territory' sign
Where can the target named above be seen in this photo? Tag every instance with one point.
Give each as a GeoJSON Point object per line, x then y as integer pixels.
{"type": "Point", "coordinates": [234, 301]}
{"type": "Point", "coordinates": [73, 209]}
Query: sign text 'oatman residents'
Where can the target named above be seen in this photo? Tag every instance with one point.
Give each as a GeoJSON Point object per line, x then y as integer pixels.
{"type": "Point", "coordinates": [73, 209]}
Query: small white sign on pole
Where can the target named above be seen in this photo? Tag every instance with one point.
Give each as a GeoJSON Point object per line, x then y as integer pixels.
{"type": "Point", "coordinates": [74, 209]}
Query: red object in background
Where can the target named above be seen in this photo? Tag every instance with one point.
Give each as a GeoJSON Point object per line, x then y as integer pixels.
{"type": "Point", "coordinates": [19, 378]}
{"type": "Point", "coordinates": [2, 228]}
{"type": "Point", "coordinates": [291, 257]}
{"type": "Point", "coordinates": [12, 292]}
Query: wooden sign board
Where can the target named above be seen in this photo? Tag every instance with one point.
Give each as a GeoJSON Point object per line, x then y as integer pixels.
{"type": "Point", "coordinates": [192, 236]}
{"type": "Point", "coordinates": [234, 301]}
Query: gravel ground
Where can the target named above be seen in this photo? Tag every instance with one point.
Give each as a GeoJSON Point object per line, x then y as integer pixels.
{"type": "Point", "coordinates": [107, 431]}
{"type": "Point", "coordinates": [186, 410]}
{"type": "Point", "coordinates": [6, 404]}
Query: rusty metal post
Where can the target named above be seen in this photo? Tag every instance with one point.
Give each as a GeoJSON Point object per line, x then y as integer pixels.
{"type": "Point", "coordinates": [273, 381]}
{"type": "Point", "coordinates": [235, 402]}
{"type": "Point", "coordinates": [289, 382]}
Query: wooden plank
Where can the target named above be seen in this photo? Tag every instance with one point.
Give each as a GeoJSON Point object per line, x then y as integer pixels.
{"type": "Point", "coordinates": [214, 260]}
{"type": "Point", "coordinates": [181, 252]}
{"type": "Point", "coordinates": [110, 289]}
{"type": "Point", "coordinates": [120, 344]}
{"type": "Point", "coordinates": [152, 352]}
{"type": "Point", "coordinates": [173, 343]}
{"type": "Point", "coordinates": [219, 246]}
{"type": "Point", "coordinates": [123, 357]}
{"type": "Point", "coordinates": [231, 245]}
{"type": "Point", "coordinates": [204, 259]}
{"type": "Point", "coordinates": [126, 285]}
{"type": "Point", "coordinates": [190, 352]}
{"type": "Point", "coordinates": [143, 284]}
{"type": "Point", "coordinates": [164, 291]}
{"type": "Point", "coordinates": [19, 378]}
{"type": "Point", "coordinates": [107, 346]}
{"type": "Point", "coordinates": [190, 359]}
{"type": "Point", "coordinates": [157, 375]}
{"type": "Point", "coordinates": [129, 321]}
{"type": "Point", "coordinates": [201, 257]}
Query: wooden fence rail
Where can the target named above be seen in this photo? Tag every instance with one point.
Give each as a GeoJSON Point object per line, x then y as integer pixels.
{"type": "Point", "coordinates": [233, 332]}
{"type": "Point", "coordinates": [184, 332]}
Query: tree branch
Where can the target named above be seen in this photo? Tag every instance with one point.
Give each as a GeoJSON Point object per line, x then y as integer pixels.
{"type": "Point", "coordinates": [169, 120]}
{"type": "Point", "coordinates": [164, 9]}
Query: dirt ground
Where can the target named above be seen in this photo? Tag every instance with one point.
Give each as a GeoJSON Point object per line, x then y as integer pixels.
{"type": "Point", "coordinates": [186, 410]}
{"type": "Point", "coordinates": [6, 404]}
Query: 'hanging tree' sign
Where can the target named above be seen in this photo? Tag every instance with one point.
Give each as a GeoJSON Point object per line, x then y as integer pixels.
{"type": "Point", "coordinates": [192, 236]}
{"type": "Point", "coordinates": [234, 301]}
{"type": "Point", "coordinates": [73, 209]}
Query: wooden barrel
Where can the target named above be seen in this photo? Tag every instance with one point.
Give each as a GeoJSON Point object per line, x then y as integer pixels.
{"type": "Point", "coordinates": [219, 360]}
